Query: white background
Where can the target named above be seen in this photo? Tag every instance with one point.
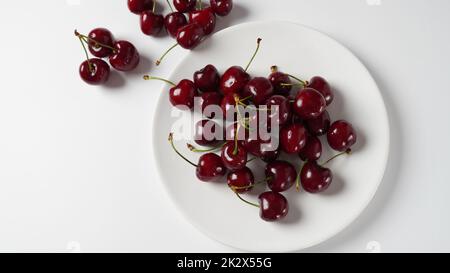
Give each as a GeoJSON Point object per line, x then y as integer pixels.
{"type": "Point", "coordinates": [76, 166]}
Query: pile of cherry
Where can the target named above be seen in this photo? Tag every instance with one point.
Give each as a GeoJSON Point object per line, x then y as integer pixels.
{"type": "Point", "coordinates": [188, 33]}
{"type": "Point", "coordinates": [302, 117]}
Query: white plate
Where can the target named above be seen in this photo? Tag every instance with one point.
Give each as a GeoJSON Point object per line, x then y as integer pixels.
{"type": "Point", "coordinates": [313, 218]}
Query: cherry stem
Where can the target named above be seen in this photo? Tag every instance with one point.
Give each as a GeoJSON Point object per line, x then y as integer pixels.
{"type": "Point", "coordinates": [192, 148]}
{"type": "Point", "coordinates": [87, 56]}
{"type": "Point", "coordinates": [304, 83]}
{"type": "Point", "coordinates": [154, 6]}
{"type": "Point", "coordinates": [297, 180]}
{"type": "Point", "coordinates": [158, 62]}
{"type": "Point", "coordinates": [245, 201]}
{"type": "Point", "coordinates": [148, 78]}
{"type": "Point", "coordinates": [348, 151]}
{"type": "Point", "coordinates": [170, 5]}
{"type": "Point", "coordinates": [199, 4]}
{"type": "Point", "coordinates": [176, 151]}
{"type": "Point", "coordinates": [234, 188]}
{"type": "Point", "coordinates": [258, 42]}
{"type": "Point", "coordinates": [86, 39]}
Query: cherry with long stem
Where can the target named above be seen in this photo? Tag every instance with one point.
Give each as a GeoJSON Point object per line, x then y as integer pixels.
{"type": "Point", "coordinates": [258, 43]}
{"type": "Point", "coordinates": [86, 39]}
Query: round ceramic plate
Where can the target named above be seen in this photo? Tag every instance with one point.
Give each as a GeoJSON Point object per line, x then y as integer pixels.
{"type": "Point", "coordinates": [313, 218]}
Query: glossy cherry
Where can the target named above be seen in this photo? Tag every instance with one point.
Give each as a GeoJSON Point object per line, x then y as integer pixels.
{"type": "Point", "coordinates": [320, 84]}
{"type": "Point", "coordinates": [94, 71]}
{"type": "Point", "coordinates": [181, 95]}
{"type": "Point", "coordinates": [174, 21]}
{"type": "Point", "coordinates": [273, 206]}
{"type": "Point", "coordinates": [242, 133]}
{"type": "Point", "coordinates": [315, 178]}
{"type": "Point", "coordinates": [280, 175]}
{"type": "Point", "coordinates": [228, 106]}
{"type": "Point", "coordinates": [281, 82]}
{"type": "Point", "coordinates": [259, 89]}
{"type": "Point", "coordinates": [234, 156]}
{"type": "Point", "coordinates": [207, 132]}
{"type": "Point", "coordinates": [207, 78]}
{"type": "Point", "coordinates": [293, 138]}
{"type": "Point", "coordinates": [190, 36]}
{"type": "Point", "coordinates": [207, 101]}
{"type": "Point", "coordinates": [241, 180]}
{"type": "Point", "coordinates": [221, 7]}
{"type": "Point", "coordinates": [126, 57]}
{"type": "Point", "coordinates": [284, 109]}
{"type": "Point", "coordinates": [309, 104]}
{"type": "Point", "coordinates": [205, 18]}
{"type": "Point", "coordinates": [236, 78]}
{"type": "Point", "coordinates": [266, 150]}
{"type": "Point", "coordinates": [184, 5]}
{"type": "Point", "coordinates": [312, 150]}
{"type": "Point", "coordinates": [320, 125]}
{"type": "Point", "coordinates": [138, 6]}
{"type": "Point", "coordinates": [100, 36]}
{"type": "Point", "coordinates": [341, 135]}
{"type": "Point", "coordinates": [151, 23]}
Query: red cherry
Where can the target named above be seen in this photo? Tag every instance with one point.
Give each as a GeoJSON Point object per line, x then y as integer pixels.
{"type": "Point", "coordinates": [264, 149]}
{"type": "Point", "coordinates": [320, 125]}
{"type": "Point", "coordinates": [138, 6]}
{"type": "Point", "coordinates": [96, 73]}
{"type": "Point", "coordinates": [151, 23]}
{"type": "Point", "coordinates": [228, 106]}
{"type": "Point", "coordinates": [207, 132]}
{"type": "Point", "coordinates": [181, 95]}
{"type": "Point", "coordinates": [315, 178]}
{"type": "Point", "coordinates": [234, 80]}
{"type": "Point", "coordinates": [284, 109]}
{"type": "Point", "coordinates": [241, 180]}
{"type": "Point", "coordinates": [190, 36]}
{"type": "Point", "coordinates": [280, 175]}
{"type": "Point", "coordinates": [293, 138]}
{"type": "Point", "coordinates": [210, 167]}
{"type": "Point", "coordinates": [242, 133]}
{"type": "Point", "coordinates": [234, 156]}
{"type": "Point", "coordinates": [309, 104]}
{"type": "Point", "coordinates": [184, 5]}
{"type": "Point", "coordinates": [208, 99]}
{"type": "Point", "coordinates": [312, 150]}
{"type": "Point", "coordinates": [207, 78]}
{"type": "Point", "coordinates": [259, 89]}
{"type": "Point", "coordinates": [341, 135]}
{"type": "Point", "coordinates": [173, 22]}
{"type": "Point", "coordinates": [205, 18]}
{"type": "Point", "coordinates": [100, 36]}
{"type": "Point", "coordinates": [281, 82]}
{"type": "Point", "coordinates": [125, 58]}
{"type": "Point", "coordinates": [321, 85]}
{"type": "Point", "coordinates": [273, 206]}
{"type": "Point", "coordinates": [222, 7]}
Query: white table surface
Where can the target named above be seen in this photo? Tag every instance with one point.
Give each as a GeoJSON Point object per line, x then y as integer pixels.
{"type": "Point", "coordinates": [76, 165]}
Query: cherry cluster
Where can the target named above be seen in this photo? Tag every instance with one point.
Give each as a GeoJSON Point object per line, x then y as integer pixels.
{"type": "Point", "coordinates": [301, 115]}
{"type": "Point", "coordinates": [188, 33]}
{"type": "Point", "coordinates": [122, 55]}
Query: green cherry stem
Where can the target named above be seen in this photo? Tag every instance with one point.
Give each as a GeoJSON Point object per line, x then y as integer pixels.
{"type": "Point", "coordinates": [258, 42]}
{"type": "Point", "coordinates": [304, 83]}
{"type": "Point", "coordinates": [87, 55]}
{"type": "Point", "coordinates": [245, 201]}
{"type": "Point", "coordinates": [176, 151]}
{"type": "Point", "coordinates": [86, 39]}
{"type": "Point", "coordinates": [148, 78]}
{"type": "Point", "coordinates": [192, 148]}
{"type": "Point", "coordinates": [348, 151]}
{"type": "Point", "coordinates": [154, 7]}
{"type": "Point", "coordinates": [297, 180]}
{"type": "Point", "coordinates": [170, 5]}
{"type": "Point", "coordinates": [158, 62]}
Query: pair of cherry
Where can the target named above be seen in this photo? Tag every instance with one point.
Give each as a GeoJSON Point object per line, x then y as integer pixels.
{"type": "Point", "coordinates": [122, 55]}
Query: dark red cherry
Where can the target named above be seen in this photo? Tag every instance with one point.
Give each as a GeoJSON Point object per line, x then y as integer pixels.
{"type": "Point", "coordinates": [266, 150]}
{"type": "Point", "coordinates": [320, 125]}
{"type": "Point", "coordinates": [125, 58]}
{"type": "Point", "coordinates": [210, 167]}
{"type": "Point", "coordinates": [183, 94]}
{"type": "Point", "coordinates": [207, 132]}
{"type": "Point", "coordinates": [104, 37]}
{"type": "Point", "coordinates": [278, 79]}
{"type": "Point", "coordinates": [207, 78]}
{"type": "Point", "coordinates": [205, 18]}
{"type": "Point", "coordinates": [280, 175]}
{"type": "Point", "coordinates": [293, 138]}
{"type": "Point", "coordinates": [234, 80]}
{"type": "Point", "coordinates": [284, 109]}
{"type": "Point", "coordinates": [341, 135]}
{"type": "Point", "coordinates": [228, 106]}
{"type": "Point", "coordinates": [207, 101]}
{"type": "Point", "coordinates": [315, 178]}
{"type": "Point", "coordinates": [190, 36]}
{"type": "Point", "coordinates": [242, 133]}
{"type": "Point", "coordinates": [184, 5]}
{"type": "Point", "coordinates": [312, 150]}
{"type": "Point", "coordinates": [173, 22]}
{"type": "Point", "coordinates": [259, 89]}
{"type": "Point", "coordinates": [138, 6]}
{"type": "Point", "coordinates": [221, 7]}
{"type": "Point", "coordinates": [97, 73]}
{"type": "Point", "coordinates": [241, 180]}
{"type": "Point", "coordinates": [321, 85]}
{"type": "Point", "coordinates": [151, 23]}
{"type": "Point", "coordinates": [272, 206]}
{"type": "Point", "coordinates": [309, 103]}
{"type": "Point", "coordinates": [234, 156]}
